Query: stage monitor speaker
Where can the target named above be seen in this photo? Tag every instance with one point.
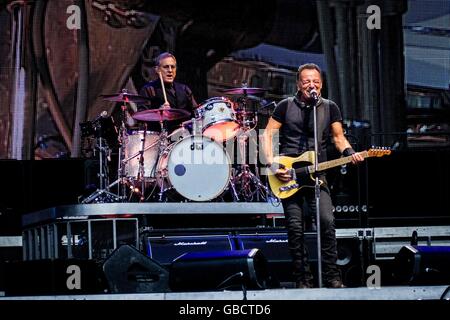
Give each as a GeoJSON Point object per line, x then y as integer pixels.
{"type": "Point", "coordinates": [49, 277]}
{"type": "Point", "coordinates": [165, 249]}
{"type": "Point", "coordinates": [423, 265]}
{"type": "Point", "coordinates": [127, 270]}
{"type": "Point", "coordinates": [219, 270]}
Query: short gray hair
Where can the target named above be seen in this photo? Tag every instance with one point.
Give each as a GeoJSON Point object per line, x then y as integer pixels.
{"type": "Point", "coordinates": [310, 66]}
{"type": "Point", "coordinates": [163, 56]}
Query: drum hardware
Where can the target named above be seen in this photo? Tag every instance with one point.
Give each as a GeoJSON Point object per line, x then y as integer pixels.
{"type": "Point", "coordinates": [102, 194]}
{"type": "Point", "coordinates": [125, 98]}
{"type": "Point", "coordinates": [250, 184]}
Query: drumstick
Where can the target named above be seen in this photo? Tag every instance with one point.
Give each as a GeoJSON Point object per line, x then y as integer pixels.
{"type": "Point", "coordinates": [163, 88]}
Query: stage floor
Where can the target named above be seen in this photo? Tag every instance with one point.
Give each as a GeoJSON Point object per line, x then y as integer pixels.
{"type": "Point", "coordinates": [348, 294]}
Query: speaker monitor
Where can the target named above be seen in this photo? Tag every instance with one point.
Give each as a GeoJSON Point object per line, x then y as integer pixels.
{"type": "Point", "coordinates": [423, 265]}
{"type": "Point", "coordinates": [127, 270]}
{"type": "Point", "coordinates": [218, 270]}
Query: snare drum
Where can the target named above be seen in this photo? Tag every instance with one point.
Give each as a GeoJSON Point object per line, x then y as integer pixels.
{"type": "Point", "coordinates": [133, 147]}
{"type": "Point", "coordinates": [219, 120]}
{"type": "Point", "coordinates": [196, 167]}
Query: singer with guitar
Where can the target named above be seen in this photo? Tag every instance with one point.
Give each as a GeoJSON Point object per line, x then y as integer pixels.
{"type": "Point", "coordinates": [293, 118]}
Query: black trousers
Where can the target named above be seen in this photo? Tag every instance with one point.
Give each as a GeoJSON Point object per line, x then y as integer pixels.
{"type": "Point", "coordinates": [295, 217]}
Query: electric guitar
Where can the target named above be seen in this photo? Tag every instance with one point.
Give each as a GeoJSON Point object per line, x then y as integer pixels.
{"type": "Point", "coordinates": [304, 168]}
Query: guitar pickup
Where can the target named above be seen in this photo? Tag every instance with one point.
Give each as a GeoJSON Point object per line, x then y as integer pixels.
{"type": "Point", "coordinates": [292, 186]}
{"type": "Point", "coordinates": [293, 174]}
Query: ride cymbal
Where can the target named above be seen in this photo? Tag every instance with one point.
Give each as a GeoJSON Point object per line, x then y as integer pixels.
{"type": "Point", "coordinates": [161, 114]}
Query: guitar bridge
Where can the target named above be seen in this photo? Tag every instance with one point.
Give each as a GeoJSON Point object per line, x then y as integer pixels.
{"type": "Point", "coordinates": [292, 186]}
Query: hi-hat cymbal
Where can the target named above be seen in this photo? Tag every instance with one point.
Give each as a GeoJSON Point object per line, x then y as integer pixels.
{"type": "Point", "coordinates": [161, 114]}
{"type": "Point", "coordinates": [125, 97]}
{"type": "Point", "coordinates": [243, 91]}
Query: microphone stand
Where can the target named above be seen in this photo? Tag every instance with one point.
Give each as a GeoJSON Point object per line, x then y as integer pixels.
{"type": "Point", "coordinates": [317, 192]}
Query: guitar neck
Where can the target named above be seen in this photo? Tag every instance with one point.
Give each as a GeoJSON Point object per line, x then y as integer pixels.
{"type": "Point", "coordinates": [334, 163]}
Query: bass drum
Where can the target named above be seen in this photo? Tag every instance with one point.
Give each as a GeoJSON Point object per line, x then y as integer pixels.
{"type": "Point", "coordinates": [196, 167]}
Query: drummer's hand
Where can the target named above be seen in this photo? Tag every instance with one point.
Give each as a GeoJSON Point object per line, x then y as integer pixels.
{"type": "Point", "coordinates": [166, 105]}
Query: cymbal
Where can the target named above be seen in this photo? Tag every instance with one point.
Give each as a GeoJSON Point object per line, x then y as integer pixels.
{"type": "Point", "coordinates": [243, 91]}
{"type": "Point", "coordinates": [125, 97]}
{"type": "Point", "coordinates": [161, 114]}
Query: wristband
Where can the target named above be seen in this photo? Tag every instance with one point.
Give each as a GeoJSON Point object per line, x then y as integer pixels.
{"type": "Point", "coordinates": [348, 152]}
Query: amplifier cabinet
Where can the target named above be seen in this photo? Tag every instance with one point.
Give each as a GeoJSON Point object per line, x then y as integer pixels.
{"type": "Point", "coordinates": [165, 249]}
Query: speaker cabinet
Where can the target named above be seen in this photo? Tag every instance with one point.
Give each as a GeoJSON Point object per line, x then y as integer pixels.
{"type": "Point", "coordinates": [165, 249]}
{"type": "Point", "coordinates": [127, 270]}
{"type": "Point", "coordinates": [218, 270]}
{"type": "Point", "coordinates": [275, 248]}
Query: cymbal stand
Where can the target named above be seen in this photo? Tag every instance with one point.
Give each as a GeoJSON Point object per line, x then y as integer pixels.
{"type": "Point", "coordinates": [102, 194]}
{"type": "Point", "coordinates": [250, 183]}
{"type": "Point", "coordinates": [122, 138]}
{"type": "Point", "coordinates": [163, 142]}
{"type": "Point", "coordinates": [141, 170]}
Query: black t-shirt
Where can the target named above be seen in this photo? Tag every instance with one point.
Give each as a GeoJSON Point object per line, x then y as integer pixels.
{"type": "Point", "coordinates": [297, 130]}
{"type": "Point", "coordinates": [179, 96]}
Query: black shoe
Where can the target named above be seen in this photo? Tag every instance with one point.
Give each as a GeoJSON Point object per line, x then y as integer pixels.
{"type": "Point", "coordinates": [335, 284]}
{"type": "Point", "coordinates": [304, 284]}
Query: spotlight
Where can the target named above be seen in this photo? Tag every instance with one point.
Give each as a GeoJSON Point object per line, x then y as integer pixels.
{"type": "Point", "coordinates": [424, 265]}
{"type": "Point", "coordinates": [217, 270]}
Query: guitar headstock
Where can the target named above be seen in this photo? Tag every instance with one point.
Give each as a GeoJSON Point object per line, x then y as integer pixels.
{"type": "Point", "coordinates": [378, 151]}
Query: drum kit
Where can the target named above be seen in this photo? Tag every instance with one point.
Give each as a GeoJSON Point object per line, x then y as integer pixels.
{"type": "Point", "coordinates": [188, 164]}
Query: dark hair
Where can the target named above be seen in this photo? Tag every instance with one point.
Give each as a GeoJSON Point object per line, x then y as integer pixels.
{"type": "Point", "coordinates": [162, 56]}
{"type": "Point", "coordinates": [310, 66]}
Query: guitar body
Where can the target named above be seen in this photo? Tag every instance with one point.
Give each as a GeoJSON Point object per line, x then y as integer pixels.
{"type": "Point", "coordinates": [283, 190]}
{"type": "Point", "coordinates": [302, 166]}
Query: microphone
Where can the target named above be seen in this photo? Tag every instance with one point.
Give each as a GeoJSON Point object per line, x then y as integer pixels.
{"type": "Point", "coordinates": [314, 94]}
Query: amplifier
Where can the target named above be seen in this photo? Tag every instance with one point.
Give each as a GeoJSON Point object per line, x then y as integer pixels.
{"type": "Point", "coordinates": [165, 249]}
{"type": "Point", "coordinates": [274, 247]}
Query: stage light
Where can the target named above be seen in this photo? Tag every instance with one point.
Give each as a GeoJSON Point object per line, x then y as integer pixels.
{"type": "Point", "coordinates": [219, 270]}
{"type": "Point", "coordinates": [423, 265]}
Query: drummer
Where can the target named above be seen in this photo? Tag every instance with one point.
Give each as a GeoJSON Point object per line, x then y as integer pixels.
{"type": "Point", "coordinates": [179, 96]}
